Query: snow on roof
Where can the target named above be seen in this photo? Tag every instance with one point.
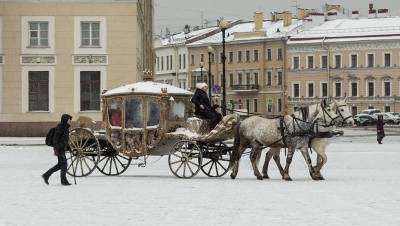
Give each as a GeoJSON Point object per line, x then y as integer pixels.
{"type": "Point", "coordinates": [273, 29]}
{"type": "Point", "coordinates": [146, 88]}
{"type": "Point", "coordinates": [181, 37]}
{"type": "Point", "coordinates": [350, 29]}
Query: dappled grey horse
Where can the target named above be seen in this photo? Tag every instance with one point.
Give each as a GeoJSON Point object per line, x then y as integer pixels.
{"type": "Point", "coordinates": [289, 131]}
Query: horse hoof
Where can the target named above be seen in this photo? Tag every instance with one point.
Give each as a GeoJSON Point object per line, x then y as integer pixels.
{"type": "Point", "coordinates": [321, 178]}
{"type": "Point", "coordinates": [259, 177]}
{"type": "Point", "coordinates": [233, 176]}
{"type": "Point", "coordinates": [287, 178]}
{"type": "Point", "coordinates": [266, 177]}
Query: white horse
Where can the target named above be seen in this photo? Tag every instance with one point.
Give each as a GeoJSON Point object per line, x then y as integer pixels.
{"type": "Point", "coordinates": [319, 143]}
{"type": "Point", "coordinates": [290, 131]}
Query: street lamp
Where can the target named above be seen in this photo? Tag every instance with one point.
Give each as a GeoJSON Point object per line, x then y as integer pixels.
{"type": "Point", "coordinates": [223, 24]}
{"type": "Point", "coordinates": [210, 50]}
{"type": "Point", "coordinates": [201, 71]}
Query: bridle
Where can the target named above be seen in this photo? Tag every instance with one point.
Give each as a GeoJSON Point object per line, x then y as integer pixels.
{"type": "Point", "coordinates": [344, 119]}
{"type": "Point", "coordinates": [326, 114]}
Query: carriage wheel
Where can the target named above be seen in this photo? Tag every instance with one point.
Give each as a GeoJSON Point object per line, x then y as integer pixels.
{"type": "Point", "coordinates": [84, 152]}
{"type": "Point", "coordinates": [217, 162]}
{"type": "Point", "coordinates": [111, 162]}
{"type": "Point", "coordinates": [185, 159]}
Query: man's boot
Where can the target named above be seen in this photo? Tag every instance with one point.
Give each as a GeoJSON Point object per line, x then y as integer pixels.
{"type": "Point", "coordinates": [45, 179]}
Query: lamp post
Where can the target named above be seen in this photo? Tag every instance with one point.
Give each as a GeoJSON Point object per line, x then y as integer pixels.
{"type": "Point", "coordinates": [223, 24]}
{"type": "Point", "coordinates": [201, 71]}
{"type": "Point", "coordinates": [210, 50]}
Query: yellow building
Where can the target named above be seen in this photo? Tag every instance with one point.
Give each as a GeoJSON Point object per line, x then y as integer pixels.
{"type": "Point", "coordinates": [355, 58]}
{"type": "Point", "coordinates": [255, 63]}
{"type": "Point", "coordinates": [58, 56]}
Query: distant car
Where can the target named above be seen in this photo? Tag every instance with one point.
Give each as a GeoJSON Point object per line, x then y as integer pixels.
{"type": "Point", "coordinates": [395, 113]}
{"type": "Point", "coordinates": [388, 118]}
{"type": "Point", "coordinates": [371, 111]}
{"type": "Point", "coordinates": [364, 120]}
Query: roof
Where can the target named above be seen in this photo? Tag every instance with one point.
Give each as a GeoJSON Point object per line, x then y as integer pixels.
{"type": "Point", "coordinates": [273, 29]}
{"type": "Point", "coordinates": [344, 30]}
{"type": "Point", "coordinates": [180, 38]}
{"type": "Point", "coordinates": [148, 87]}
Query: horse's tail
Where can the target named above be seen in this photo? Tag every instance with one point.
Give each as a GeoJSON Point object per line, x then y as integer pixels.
{"type": "Point", "coordinates": [236, 143]}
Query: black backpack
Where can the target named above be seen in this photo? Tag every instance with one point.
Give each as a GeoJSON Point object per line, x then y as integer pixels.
{"type": "Point", "coordinates": [49, 137]}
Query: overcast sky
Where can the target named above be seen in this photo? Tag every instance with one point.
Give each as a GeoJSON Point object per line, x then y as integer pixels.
{"type": "Point", "coordinates": [174, 14]}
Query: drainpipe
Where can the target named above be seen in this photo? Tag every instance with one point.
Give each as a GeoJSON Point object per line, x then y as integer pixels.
{"type": "Point", "coordinates": [285, 101]}
{"type": "Point", "coordinates": [328, 66]}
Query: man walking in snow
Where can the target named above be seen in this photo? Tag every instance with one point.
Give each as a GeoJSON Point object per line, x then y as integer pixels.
{"type": "Point", "coordinates": [60, 141]}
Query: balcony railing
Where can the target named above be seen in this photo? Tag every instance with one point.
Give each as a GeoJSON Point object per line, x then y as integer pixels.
{"type": "Point", "coordinates": [350, 99]}
{"type": "Point", "coordinates": [245, 88]}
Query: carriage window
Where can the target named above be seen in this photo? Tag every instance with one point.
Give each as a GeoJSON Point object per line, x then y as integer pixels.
{"type": "Point", "coordinates": [134, 113]}
{"type": "Point", "coordinates": [114, 113]}
{"type": "Point", "coordinates": [176, 110]}
{"type": "Point", "coordinates": [153, 114]}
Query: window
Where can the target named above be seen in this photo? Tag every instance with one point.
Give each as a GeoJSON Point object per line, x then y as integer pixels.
{"type": "Point", "coordinates": [338, 89]}
{"type": "Point", "coordinates": [192, 59]}
{"type": "Point", "coordinates": [255, 105]}
{"type": "Point", "coordinates": [255, 55]}
{"type": "Point", "coordinates": [202, 58]}
{"type": "Point", "coordinates": [133, 113]}
{"type": "Point", "coordinates": [248, 105]}
{"type": "Point", "coordinates": [176, 110]}
{"type": "Point", "coordinates": [269, 105]}
{"type": "Point", "coordinates": [239, 56]}
{"type": "Point", "coordinates": [153, 114]}
{"type": "Point", "coordinates": [388, 59]}
{"type": "Point", "coordinates": [247, 56]}
{"type": "Point", "coordinates": [38, 90]}
{"type": "Point", "coordinates": [90, 33]}
{"type": "Point", "coordinates": [324, 89]}
{"type": "Point", "coordinates": [240, 79]}
{"type": "Point", "coordinates": [280, 78]}
{"type": "Point", "coordinates": [38, 34]}
{"type": "Point", "coordinates": [255, 78]}
{"type": "Point", "coordinates": [221, 57]}
{"type": "Point", "coordinates": [184, 61]}
{"type": "Point", "coordinates": [296, 90]}
{"type": "Point", "coordinates": [269, 78]}
{"type": "Point", "coordinates": [167, 62]}
{"type": "Point", "coordinates": [158, 63]}
{"type": "Point", "coordinates": [248, 79]}
{"type": "Point", "coordinates": [114, 112]}
{"type": "Point", "coordinates": [231, 79]}
{"type": "Point", "coordinates": [230, 57]}
{"type": "Point", "coordinates": [386, 88]}
{"type": "Point", "coordinates": [371, 88]}
{"type": "Point", "coordinates": [212, 56]}
{"type": "Point", "coordinates": [354, 110]}
{"type": "Point", "coordinates": [354, 61]}
{"type": "Point", "coordinates": [90, 90]}
{"type": "Point", "coordinates": [269, 54]}
{"type": "Point", "coordinates": [162, 63]}
{"type": "Point", "coordinates": [296, 63]}
{"type": "Point", "coordinates": [310, 87]}
{"type": "Point", "coordinates": [371, 60]}
{"type": "Point", "coordinates": [170, 62]}
{"type": "Point", "coordinates": [180, 61]}
{"type": "Point", "coordinates": [279, 105]}
{"type": "Point", "coordinates": [324, 62]}
{"type": "Point", "coordinates": [338, 61]}
{"type": "Point", "coordinates": [354, 89]}
{"type": "Point", "coordinates": [280, 54]}
{"type": "Point", "coordinates": [387, 108]}
{"type": "Point", "coordinates": [310, 62]}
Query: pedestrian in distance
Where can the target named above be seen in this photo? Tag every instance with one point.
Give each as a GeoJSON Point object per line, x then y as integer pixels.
{"type": "Point", "coordinates": [380, 132]}
{"type": "Point", "coordinates": [203, 106]}
{"type": "Point", "coordinates": [60, 142]}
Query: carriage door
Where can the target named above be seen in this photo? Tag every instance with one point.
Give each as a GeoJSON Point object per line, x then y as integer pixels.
{"type": "Point", "coordinates": [153, 121]}
{"type": "Point", "coordinates": [134, 127]}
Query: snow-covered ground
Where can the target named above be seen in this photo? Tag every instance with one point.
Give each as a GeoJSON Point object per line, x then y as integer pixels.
{"type": "Point", "coordinates": [362, 187]}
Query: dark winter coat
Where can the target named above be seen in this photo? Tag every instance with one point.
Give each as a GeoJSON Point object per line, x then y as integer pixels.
{"type": "Point", "coordinates": [379, 129]}
{"type": "Point", "coordinates": [61, 134]}
{"type": "Point", "coordinates": [201, 98]}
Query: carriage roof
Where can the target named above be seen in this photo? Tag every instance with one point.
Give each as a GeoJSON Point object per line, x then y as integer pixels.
{"type": "Point", "coordinates": [147, 87]}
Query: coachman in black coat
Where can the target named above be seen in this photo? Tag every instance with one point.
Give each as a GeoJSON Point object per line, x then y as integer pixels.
{"type": "Point", "coordinates": [203, 107]}
{"type": "Point", "coordinates": [60, 141]}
